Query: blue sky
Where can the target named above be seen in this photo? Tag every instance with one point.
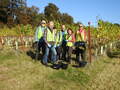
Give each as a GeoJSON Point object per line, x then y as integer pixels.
{"type": "Point", "coordinates": [85, 10]}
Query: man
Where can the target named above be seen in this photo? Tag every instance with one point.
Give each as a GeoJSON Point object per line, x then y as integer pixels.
{"type": "Point", "coordinates": [50, 44]}
{"type": "Point", "coordinates": [80, 43]}
{"type": "Point", "coordinates": [64, 33]}
{"type": "Point", "coordinates": [39, 37]}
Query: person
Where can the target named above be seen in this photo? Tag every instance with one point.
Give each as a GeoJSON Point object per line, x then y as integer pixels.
{"type": "Point", "coordinates": [58, 44]}
{"type": "Point", "coordinates": [80, 43]}
{"type": "Point", "coordinates": [63, 46]}
{"type": "Point", "coordinates": [39, 37]}
{"type": "Point", "coordinates": [50, 44]}
{"type": "Point", "coordinates": [70, 39]}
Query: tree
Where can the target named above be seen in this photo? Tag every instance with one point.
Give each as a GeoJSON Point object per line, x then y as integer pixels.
{"type": "Point", "coordinates": [10, 9]}
{"type": "Point", "coordinates": [51, 12]}
{"type": "Point", "coordinates": [66, 18]}
{"type": "Point", "coordinates": [32, 13]}
{"type": "Point", "coordinates": [3, 10]}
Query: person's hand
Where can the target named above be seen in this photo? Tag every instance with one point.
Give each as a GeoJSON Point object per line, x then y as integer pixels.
{"type": "Point", "coordinates": [58, 44]}
{"type": "Point", "coordinates": [54, 46]}
{"type": "Point", "coordinates": [49, 45]}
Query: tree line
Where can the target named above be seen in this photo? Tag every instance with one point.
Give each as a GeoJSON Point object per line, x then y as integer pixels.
{"type": "Point", "coordinates": [14, 12]}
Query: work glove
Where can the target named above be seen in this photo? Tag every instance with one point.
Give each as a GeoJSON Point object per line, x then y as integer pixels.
{"type": "Point", "coordinates": [54, 46]}
{"type": "Point", "coordinates": [49, 45]}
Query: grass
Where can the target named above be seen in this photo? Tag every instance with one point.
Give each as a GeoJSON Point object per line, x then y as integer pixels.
{"type": "Point", "coordinates": [19, 72]}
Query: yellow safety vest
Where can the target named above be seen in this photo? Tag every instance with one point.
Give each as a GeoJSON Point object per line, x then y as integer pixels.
{"type": "Point", "coordinates": [69, 37]}
{"type": "Point", "coordinates": [58, 37]}
{"type": "Point", "coordinates": [80, 37]}
{"type": "Point", "coordinates": [50, 36]}
{"type": "Point", "coordinates": [40, 33]}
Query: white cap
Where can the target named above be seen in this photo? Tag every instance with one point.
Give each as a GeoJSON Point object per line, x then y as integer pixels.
{"type": "Point", "coordinates": [43, 22]}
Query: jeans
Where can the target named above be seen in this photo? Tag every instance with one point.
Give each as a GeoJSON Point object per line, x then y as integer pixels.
{"type": "Point", "coordinates": [53, 54]}
{"type": "Point", "coordinates": [80, 54]}
{"type": "Point", "coordinates": [64, 49]}
{"type": "Point", "coordinates": [40, 45]}
{"type": "Point", "coordinates": [59, 52]}
{"type": "Point", "coordinates": [68, 54]}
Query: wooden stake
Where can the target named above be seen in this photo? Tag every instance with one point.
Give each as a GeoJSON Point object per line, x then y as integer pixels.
{"type": "Point", "coordinates": [89, 41]}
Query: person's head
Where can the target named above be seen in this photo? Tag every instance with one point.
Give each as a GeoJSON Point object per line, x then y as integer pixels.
{"type": "Point", "coordinates": [55, 30]}
{"type": "Point", "coordinates": [69, 31]}
{"type": "Point", "coordinates": [63, 27]}
{"type": "Point", "coordinates": [80, 26]}
{"type": "Point", "coordinates": [51, 24]}
{"type": "Point", "coordinates": [43, 23]}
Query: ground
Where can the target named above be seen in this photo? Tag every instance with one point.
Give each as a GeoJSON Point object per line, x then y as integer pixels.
{"type": "Point", "coordinates": [18, 71]}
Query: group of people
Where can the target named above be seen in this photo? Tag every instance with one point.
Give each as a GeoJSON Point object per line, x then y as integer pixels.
{"type": "Point", "coordinates": [58, 44]}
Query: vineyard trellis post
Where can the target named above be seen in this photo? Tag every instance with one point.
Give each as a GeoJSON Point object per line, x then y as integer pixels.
{"type": "Point", "coordinates": [1, 40]}
{"type": "Point", "coordinates": [89, 41]}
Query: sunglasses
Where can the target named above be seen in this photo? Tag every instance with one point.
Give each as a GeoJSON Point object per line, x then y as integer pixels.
{"type": "Point", "coordinates": [80, 26]}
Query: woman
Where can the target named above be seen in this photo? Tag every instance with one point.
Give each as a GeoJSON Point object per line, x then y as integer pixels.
{"type": "Point", "coordinates": [70, 39]}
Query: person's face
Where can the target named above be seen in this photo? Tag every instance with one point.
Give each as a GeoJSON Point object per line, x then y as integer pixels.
{"type": "Point", "coordinates": [43, 24]}
{"type": "Point", "coordinates": [63, 27]}
{"type": "Point", "coordinates": [51, 24]}
{"type": "Point", "coordinates": [81, 27]}
{"type": "Point", "coordinates": [69, 32]}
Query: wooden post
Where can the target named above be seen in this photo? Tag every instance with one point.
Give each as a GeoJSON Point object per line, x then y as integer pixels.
{"type": "Point", "coordinates": [101, 50]}
{"type": "Point", "coordinates": [96, 52]}
{"type": "Point", "coordinates": [16, 45]}
{"type": "Point", "coordinates": [0, 39]}
{"type": "Point", "coordinates": [26, 44]}
{"type": "Point", "coordinates": [111, 45]}
{"type": "Point", "coordinates": [89, 42]}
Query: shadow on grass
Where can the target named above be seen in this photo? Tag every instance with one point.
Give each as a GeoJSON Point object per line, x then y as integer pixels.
{"type": "Point", "coordinates": [80, 64]}
{"type": "Point", "coordinates": [33, 55]}
{"type": "Point", "coordinates": [71, 75]}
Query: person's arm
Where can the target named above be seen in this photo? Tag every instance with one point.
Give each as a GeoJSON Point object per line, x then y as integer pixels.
{"type": "Point", "coordinates": [45, 37]}
{"type": "Point", "coordinates": [60, 38]}
{"type": "Point", "coordinates": [85, 36]}
{"type": "Point", "coordinates": [36, 34]}
{"type": "Point", "coordinates": [56, 38]}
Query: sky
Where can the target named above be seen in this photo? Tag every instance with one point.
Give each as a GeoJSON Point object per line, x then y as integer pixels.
{"type": "Point", "coordinates": [84, 10]}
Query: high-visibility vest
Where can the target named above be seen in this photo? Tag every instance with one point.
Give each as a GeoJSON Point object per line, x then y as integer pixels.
{"type": "Point", "coordinates": [58, 37]}
{"type": "Point", "coordinates": [40, 32]}
{"type": "Point", "coordinates": [78, 37]}
{"type": "Point", "coordinates": [50, 36]}
{"type": "Point", "coordinates": [69, 37]}
{"type": "Point", "coordinates": [81, 36]}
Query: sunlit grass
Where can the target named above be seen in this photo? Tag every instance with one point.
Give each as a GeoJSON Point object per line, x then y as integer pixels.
{"type": "Point", "coordinates": [19, 72]}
